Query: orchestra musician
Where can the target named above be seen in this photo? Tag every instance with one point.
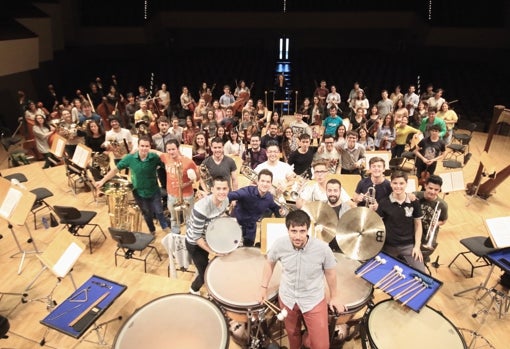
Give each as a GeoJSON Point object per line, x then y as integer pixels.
{"type": "Point", "coordinates": [429, 151]}
{"type": "Point", "coordinates": [402, 220]}
{"type": "Point", "coordinates": [42, 132]}
{"type": "Point", "coordinates": [176, 130]}
{"type": "Point", "coordinates": [68, 129]}
{"type": "Point", "coordinates": [352, 155]}
{"type": "Point", "coordinates": [220, 165]}
{"type": "Point", "coordinates": [376, 180]}
{"type": "Point", "coordinates": [282, 171]}
{"type": "Point", "coordinates": [187, 102]}
{"type": "Point", "coordinates": [321, 92]}
{"type": "Point", "coordinates": [143, 118]}
{"type": "Point", "coordinates": [181, 172]}
{"type": "Point", "coordinates": [302, 289]}
{"type": "Point", "coordinates": [333, 98]}
{"type": "Point", "coordinates": [159, 141]}
{"type": "Point", "coordinates": [130, 109]}
{"type": "Point", "coordinates": [88, 114]}
{"type": "Point", "coordinates": [226, 99]}
{"type": "Point", "coordinates": [328, 153]}
{"type": "Point", "coordinates": [200, 112]}
{"type": "Point", "coordinates": [118, 140]}
{"type": "Point", "coordinates": [163, 97]}
{"type": "Point", "coordinates": [316, 190]}
{"type": "Point", "coordinates": [432, 204]}
{"type": "Point", "coordinates": [255, 154]}
{"type": "Point", "coordinates": [251, 203]}
{"type": "Point", "coordinates": [200, 149]}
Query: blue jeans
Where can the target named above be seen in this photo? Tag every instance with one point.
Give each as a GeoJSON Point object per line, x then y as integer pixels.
{"type": "Point", "coordinates": [173, 222]}
{"type": "Point", "coordinates": [151, 207]}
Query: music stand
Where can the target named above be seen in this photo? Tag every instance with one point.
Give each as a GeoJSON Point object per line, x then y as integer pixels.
{"type": "Point", "coordinates": [59, 258]}
{"type": "Point", "coordinates": [17, 203]}
{"type": "Point", "coordinates": [58, 147]}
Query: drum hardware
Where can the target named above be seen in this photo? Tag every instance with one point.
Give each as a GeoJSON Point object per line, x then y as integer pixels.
{"type": "Point", "coordinates": [431, 235]}
{"type": "Point", "coordinates": [281, 314]}
{"type": "Point", "coordinates": [324, 218]}
{"type": "Point", "coordinates": [394, 271]}
{"type": "Point", "coordinates": [377, 261]}
{"type": "Point", "coordinates": [360, 233]}
{"type": "Point", "coordinates": [180, 207]}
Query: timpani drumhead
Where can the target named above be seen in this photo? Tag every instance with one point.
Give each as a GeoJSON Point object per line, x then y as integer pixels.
{"type": "Point", "coordinates": [177, 321]}
{"type": "Point", "coordinates": [353, 292]}
{"type": "Point", "coordinates": [234, 280]}
{"type": "Point", "coordinates": [391, 325]}
{"type": "Point", "coordinates": [223, 234]}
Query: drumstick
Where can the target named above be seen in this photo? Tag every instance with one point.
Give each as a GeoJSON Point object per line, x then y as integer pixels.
{"type": "Point", "coordinates": [395, 280]}
{"type": "Point", "coordinates": [396, 269]}
{"type": "Point", "coordinates": [408, 290]}
{"type": "Point", "coordinates": [424, 287]}
{"type": "Point", "coordinates": [372, 265]}
{"type": "Point", "coordinates": [271, 306]}
{"type": "Point", "coordinates": [83, 313]}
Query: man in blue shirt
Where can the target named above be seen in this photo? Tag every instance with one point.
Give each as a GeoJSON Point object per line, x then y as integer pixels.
{"type": "Point", "coordinates": [332, 122]}
{"type": "Point", "coordinates": [251, 203]}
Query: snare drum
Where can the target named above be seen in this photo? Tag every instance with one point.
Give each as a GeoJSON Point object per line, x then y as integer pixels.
{"type": "Point", "coordinates": [390, 325]}
{"type": "Point", "coordinates": [223, 234]}
{"type": "Point", "coordinates": [353, 292]}
{"type": "Point", "coordinates": [171, 322]}
{"type": "Point", "coordinates": [234, 282]}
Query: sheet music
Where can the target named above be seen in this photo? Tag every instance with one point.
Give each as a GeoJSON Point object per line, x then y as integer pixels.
{"type": "Point", "coordinates": [10, 201]}
{"type": "Point", "coordinates": [67, 260]}
{"type": "Point", "coordinates": [273, 232]}
{"type": "Point", "coordinates": [498, 230]}
{"type": "Point", "coordinates": [59, 149]}
{"type": "Point", "coordinates": [80, 156]}
{"type": "Point", "coordinates": [452, 181]}
{"type": "Point", "coordinates": [411, 185]}
{"type": "Point", "coordinates": [186, 151]}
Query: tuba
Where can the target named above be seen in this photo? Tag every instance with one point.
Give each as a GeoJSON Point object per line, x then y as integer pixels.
{"type": "Point", "coordinates": [180, 207]}
{"type": "Point", "coordinates": [123, 214]}
{"type": "Point", "coordinates": [430, 237]}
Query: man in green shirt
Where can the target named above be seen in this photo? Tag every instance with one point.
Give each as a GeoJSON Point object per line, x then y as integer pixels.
{"type": "Point", "coordinates": [146, 191]}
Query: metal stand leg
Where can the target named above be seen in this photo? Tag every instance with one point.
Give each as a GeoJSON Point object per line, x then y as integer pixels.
{"type": "Point", "coordinates": [482, 286]}
{"type": "Point", "coordinates": [100, 330]}
{"type": "Point", "coordinates": [21, 250]}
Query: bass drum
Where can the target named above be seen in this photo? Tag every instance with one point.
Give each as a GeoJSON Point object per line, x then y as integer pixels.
{"type": "Point", "coordinates": [390, 325]}
{"type": "Point", "coordinates": [171, 322]}
{"type": "Point", "coordinates": [223, 234]}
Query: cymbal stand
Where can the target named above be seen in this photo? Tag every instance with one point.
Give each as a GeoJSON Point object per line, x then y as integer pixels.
{"type": "Point", "coordinates": [21, 250]}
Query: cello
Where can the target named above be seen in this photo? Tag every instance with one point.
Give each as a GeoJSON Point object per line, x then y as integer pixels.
{"type": "Point", "coordinates": [105, 109]}
{"type": "Point", "coordinates": [241, 100]}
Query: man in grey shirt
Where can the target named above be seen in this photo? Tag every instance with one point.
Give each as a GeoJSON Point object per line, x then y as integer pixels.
{"type": "Point", "coordinates": [305, 262]}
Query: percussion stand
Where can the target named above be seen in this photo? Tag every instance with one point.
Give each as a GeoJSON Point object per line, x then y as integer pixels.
{"type": "Point", "coordinates": [100, 330]}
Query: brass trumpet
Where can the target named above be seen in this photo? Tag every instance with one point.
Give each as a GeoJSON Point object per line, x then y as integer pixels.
{"type": "Point", "coordinates": [431, 235]}
{"type": "Point", "coordinates": [370, 197]}
{"type": "Point", "coordinates": [180, 207]}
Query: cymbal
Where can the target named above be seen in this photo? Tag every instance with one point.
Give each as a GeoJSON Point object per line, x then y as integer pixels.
{"type": "Point", "coordinates": [360, 233]}
{"type": "Point", "coordinates": [321, 213]}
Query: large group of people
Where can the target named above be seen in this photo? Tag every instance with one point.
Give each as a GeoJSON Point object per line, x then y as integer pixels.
{"type": "Point", "coordinates": [280, 155]}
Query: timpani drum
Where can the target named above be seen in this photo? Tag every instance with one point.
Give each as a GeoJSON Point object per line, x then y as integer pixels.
{"type": "Point", "coordinates": [391, 325]}
{"type": "Point", "coordinates": [354, 292]}
{"type": "Point", "coordinates": [223, 234]}
{"type": "Point", "coordinates": [175, 321]}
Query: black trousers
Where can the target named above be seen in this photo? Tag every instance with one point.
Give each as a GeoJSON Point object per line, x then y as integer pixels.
{"type": "Point", "coordinates": [200, 258]}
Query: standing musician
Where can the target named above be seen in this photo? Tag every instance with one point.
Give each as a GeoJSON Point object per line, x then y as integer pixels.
{"type": "Point", "coordinates": [306, 262]}
{"type": "Point", "coordinates": [251, 202]}
{"type": "Point", "coordinates": [176, 130]}
{"type": "Point", "coordinates": [282, 171]}
{"type": "Point", "coordinates": [376, 180]}
{"type": "Point", "coordinates": [187, 102]}
{"type": "Point", "coordinates": [226, 99]}
{"type": "Point", "coordinates": [429, 151]}
{"type": "Point", "coordinates": [321, 92]}
{"type": "Point", "coordinates": [163, 97]}
{"type": "Point", "coordinates": [118, 140]}
{"type": "Point", "coordinates": [402, 221]}
{"type": "Point", "coordinates": [434, 209]}
{"type": "Point", "coordinates": [159, 141]}
{"type": "Point", "coordinates": [204, 210]}
{"type": "Point", "coordinates": [143, 118]}
{"type": "Point", "coordinates": [352, 155]}
{"type": "Point", "coordinates": [131, 108]}
{"type": "Point", "coordinates": [181, 172]}
{"type": "Point", "coordinates": [67, 129]}
{"type": "Point", "coordinates": [302, 158]}
{"type": "Point", "coordinates": [333, 98]}
{"type": "Point", "coordinates": [146, 191]}
{"type": "Point", "coordinates": [219, 165]}
{"type": "Point", "coordinates": [271, 135]}
{"type": "Point", "coordinates": [335, 195]}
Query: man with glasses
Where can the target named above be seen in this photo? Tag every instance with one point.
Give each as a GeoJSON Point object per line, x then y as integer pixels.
{"type": "Point", "coordinates": [328, 153]}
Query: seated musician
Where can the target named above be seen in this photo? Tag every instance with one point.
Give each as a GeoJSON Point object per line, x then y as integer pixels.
{"type": "Point", "coordinates": [67, 129]}
{"type": "Point", "coordinates": [251, 203]}
{"type": "Point", "coordinates": [302, 158]}
{"type": "Point", "coordinates": [333, 98]}
{"type": "Point", "coordinates": [241, 89]}
{"type": "Point", "coordinates": [328, 153]}
{"type": "Point", "coordinates": [271, 136]}
{"type": "Point", "coordinates": [88, 114]}
{"type": "Point", "coordinates": [431, 205]}
{"type": "Point", "coordinates": [402, 221]}
{"type": "Point", "coordinates": [200, 112]}
{"type": "Point", "coordinates": [282, 171]}
{"type": "Point", "coordinates": [255, 154]}
{"type": "Point", "coordinates": [204, 210]}
{"type": "Point", "coordinates": [376, 180]}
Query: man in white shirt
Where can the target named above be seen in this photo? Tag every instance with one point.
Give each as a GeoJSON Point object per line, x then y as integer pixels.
{"type": "Point", "coordinates": [119, 140]}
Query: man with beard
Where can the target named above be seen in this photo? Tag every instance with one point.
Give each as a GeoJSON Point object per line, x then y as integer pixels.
{"type": "Point", "coordinates": [302, 289]}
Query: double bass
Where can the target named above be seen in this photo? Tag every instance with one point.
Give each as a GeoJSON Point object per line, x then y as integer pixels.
{"type": "Point", "coordinates": [241, 100]}
{"type": "Point", "coordinates": [105, 109]}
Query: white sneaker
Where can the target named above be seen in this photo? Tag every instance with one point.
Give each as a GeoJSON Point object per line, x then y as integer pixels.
{"type": "Point", "coordinates": [197, 293]}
